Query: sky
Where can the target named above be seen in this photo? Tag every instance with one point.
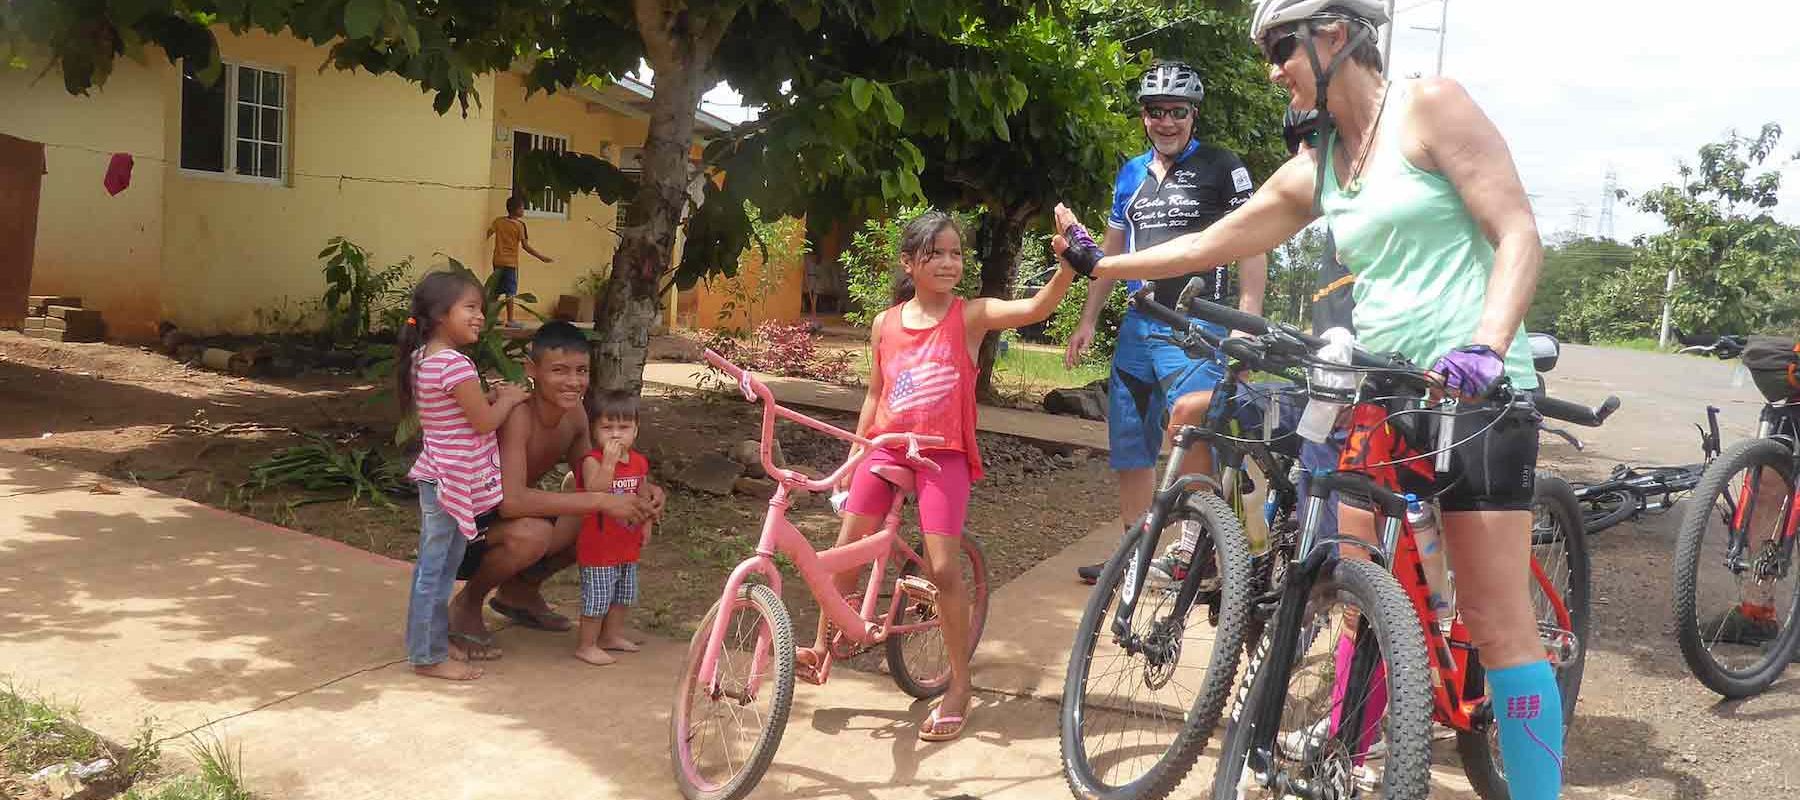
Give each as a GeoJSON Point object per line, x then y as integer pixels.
{"type": "Point", "coordinates": [1578, 86]}
{"type": "Point", "coordinates": [1581, 86]}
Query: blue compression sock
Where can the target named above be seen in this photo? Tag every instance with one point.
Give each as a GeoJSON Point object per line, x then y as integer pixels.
{"type": "Point", "coordinates": [1528, 709]}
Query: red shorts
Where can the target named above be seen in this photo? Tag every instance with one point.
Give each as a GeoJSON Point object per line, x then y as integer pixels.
{"type": "Point", "coordinates": [943, 495]}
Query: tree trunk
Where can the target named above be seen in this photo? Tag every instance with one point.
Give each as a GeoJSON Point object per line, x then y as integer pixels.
{"type": "Point", "coordinates": [678, 44]}
{"type": "Point", "coordinates": [998, 242]}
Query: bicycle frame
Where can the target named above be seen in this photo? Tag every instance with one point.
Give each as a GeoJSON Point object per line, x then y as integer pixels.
{"type": "Point", "coordinates": [1458, 698]}
{"type": "Point", "coordinates": [816, 568]}
{"type": "Point", "coordinates": [1771, 426]}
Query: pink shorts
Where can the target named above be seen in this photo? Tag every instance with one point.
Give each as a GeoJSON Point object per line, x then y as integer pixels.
{"type": "Point", "coordinates": [943, 495]}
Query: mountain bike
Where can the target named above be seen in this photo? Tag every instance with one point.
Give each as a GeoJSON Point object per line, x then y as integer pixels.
{"type": "Point", "coordinates": [1326, 737]}
{"type": "Point", "coordinates": [1630, 492]}
{"type": "Point", "coordinates": [1152, 662]}
{"type": "Point", "coordinates": [1742, 517]}
{"type": "Point", "coordinates": [740, 665]}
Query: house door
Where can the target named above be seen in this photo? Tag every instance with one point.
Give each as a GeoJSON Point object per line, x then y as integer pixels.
{"type": "Point", "coordinates": [21, 174]}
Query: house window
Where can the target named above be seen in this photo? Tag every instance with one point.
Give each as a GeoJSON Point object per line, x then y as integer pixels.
{"type": "Point", "coordinates": [631, 162]}
{"type": "Point", "coordinates": [238, 125]}
{"type": "Point", "coordinates": [542, 202]}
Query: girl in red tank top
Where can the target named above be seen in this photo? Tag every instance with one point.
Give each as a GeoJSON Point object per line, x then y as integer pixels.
{"type": "Point", "coordinates": [923, 382]}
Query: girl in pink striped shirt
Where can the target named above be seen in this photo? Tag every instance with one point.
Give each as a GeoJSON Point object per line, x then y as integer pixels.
{"type": "Point", "coordinates": [458, 471]}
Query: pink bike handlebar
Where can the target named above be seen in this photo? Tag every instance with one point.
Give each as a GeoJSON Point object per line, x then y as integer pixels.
{"type": "Point", "coordinates": [755, 390]}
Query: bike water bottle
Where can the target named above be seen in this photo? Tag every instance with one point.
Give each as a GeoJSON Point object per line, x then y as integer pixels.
{"type": "Point", "coordinates": [1320, 416]}
{"type": "Point", "coordinates": [1430, 540]}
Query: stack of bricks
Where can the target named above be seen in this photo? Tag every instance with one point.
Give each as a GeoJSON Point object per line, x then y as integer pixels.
{"type": "Point", "coordinates": [62, 319]}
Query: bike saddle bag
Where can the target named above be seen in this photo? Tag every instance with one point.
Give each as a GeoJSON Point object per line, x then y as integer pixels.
{"type": "Point", "coordinates": [1774, 364]}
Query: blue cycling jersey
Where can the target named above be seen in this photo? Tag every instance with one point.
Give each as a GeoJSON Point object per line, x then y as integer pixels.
{"type": "Point", "coordinates": [1202, 186]}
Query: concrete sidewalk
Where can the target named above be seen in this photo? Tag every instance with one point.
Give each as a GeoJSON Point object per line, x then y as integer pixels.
{"type": "Point", "coordinates": [141, 605]}
{"type": "Point", "coordinates": [1049, 428]}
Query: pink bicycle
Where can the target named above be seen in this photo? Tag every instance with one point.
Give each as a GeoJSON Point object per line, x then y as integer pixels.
{"type": "Point", "coordinates": [732, 703]}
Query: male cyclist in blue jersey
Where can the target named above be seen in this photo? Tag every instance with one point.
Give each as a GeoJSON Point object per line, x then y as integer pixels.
{"type": "Point", "coordinates": [1427, 210]}
{"type": "Point", "coordinates": [1180, 185]}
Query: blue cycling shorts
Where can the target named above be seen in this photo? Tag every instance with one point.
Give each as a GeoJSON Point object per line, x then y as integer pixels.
{"type": "Point", "coordinates": [1148, 376]}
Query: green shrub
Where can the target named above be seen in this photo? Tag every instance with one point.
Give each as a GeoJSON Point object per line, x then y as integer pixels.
{"type": "Point", "coordinates": [872, 263]}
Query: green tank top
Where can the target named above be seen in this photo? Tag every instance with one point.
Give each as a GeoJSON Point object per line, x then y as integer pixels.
{"type": "Point", "coordinates": [1421, 261]}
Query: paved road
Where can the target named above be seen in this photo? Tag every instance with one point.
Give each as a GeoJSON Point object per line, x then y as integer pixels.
{"type": "Point", "coordinates": [1661, 397]}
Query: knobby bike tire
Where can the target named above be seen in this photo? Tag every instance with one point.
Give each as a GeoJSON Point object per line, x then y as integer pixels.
{"type": "Point", "coordinates": [929, 686]}
{"type": "Point", "coordinates": [1719, 479]}
{"type": "Point", "coordinates": [1481, 762]}
{"type": "Point", "coordinates": [767, 604]}
{"type": "Point", "coordinates": [1227, 538]}
{"type": "Point", "coordinates": [1622, 504]}
{"type": "Point", "coordinates": [1406, 773]}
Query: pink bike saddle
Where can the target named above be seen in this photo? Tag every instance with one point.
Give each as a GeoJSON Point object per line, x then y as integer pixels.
{"type": "Point", "coordinates": [901, 477]}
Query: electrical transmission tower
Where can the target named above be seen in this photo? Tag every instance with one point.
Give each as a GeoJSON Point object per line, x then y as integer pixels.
{"type": "Point", "coordinates": [1607, 196]}
{"type": "Point", "coordinates": [1581, 218]}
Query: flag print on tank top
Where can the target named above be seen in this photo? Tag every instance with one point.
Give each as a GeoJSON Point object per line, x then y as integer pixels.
{"type": "Point", "coordinates": [929, 383]}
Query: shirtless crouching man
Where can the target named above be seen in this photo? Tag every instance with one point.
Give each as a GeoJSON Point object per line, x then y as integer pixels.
{"type": "Point", "coordinates": [535, 537]}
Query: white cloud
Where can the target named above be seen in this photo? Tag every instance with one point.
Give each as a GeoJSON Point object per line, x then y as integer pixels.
{"type": "Point", "coordinates": [1577, 86]}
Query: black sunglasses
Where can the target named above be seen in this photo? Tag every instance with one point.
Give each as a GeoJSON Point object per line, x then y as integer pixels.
{"type": "Point", "coordinates": [1157, 112]}
{"type": "Point", "coordinates": [1280, 49]}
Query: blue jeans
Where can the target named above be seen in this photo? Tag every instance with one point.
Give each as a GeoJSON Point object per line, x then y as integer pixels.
{"type": "Point", "coordinates": [441, 548]}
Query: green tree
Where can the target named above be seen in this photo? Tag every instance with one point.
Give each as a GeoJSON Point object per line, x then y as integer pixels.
{"type": "Point", "coordinates": [1572, 267]}
{"type": "Point", "coordinates": [759, 46]}
{"type": "Point", "coordinates": [1293, 274]}
{"type": "Point", "coordinates": [1013, 100]}
{"type": "Point", "coordinates": [1737, 267]}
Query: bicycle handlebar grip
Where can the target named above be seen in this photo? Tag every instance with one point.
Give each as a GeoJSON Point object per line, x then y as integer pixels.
{"type": "Point", "coordinates": [1390, 505]}
{"type": "Point", "coordinates": [1607, 408]}
{"type": "Point", "coordinates": [719, 361]}
{"type": "Point", "coordinates": [1159, 312]}
{"type": "Point", "coordinates": [1228, 317]}
{"type": "Point", "coordinates": [1575, 413]}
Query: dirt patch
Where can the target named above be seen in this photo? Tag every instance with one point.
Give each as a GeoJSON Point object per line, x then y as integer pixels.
{"type": "Point", "coordinates": [139, 417]}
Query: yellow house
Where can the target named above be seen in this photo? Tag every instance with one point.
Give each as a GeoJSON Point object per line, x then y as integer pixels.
{"type": "Point", "coordinates": [235, 187]}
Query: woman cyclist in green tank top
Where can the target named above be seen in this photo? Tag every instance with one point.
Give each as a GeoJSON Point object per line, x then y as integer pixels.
{"type": "Point", "coordinates": [1421, 195]}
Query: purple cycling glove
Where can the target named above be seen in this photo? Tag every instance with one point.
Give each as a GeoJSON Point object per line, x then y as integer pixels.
{"type": "Point", "coordinates": [1471, 370]}
{"type": "Point", "coordinates": [1083, 254]}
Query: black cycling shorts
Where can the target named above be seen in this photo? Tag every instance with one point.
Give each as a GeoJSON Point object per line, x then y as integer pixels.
{"type": "Point", "coordinates": [1493, 471]}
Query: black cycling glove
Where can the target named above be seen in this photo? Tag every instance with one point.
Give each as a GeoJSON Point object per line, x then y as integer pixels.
{"type": "Point", "coordinates": [1083, 254]}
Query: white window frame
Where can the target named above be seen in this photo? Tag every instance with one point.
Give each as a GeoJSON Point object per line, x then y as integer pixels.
{"type": "Point", "coordinates": [532, 209]}
{"type": "Point", "coordinates": [230, 173]}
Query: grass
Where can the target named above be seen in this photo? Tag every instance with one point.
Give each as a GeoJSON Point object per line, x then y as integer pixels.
{"type": "Point", "coordinates": [1644, 343]}
{"type": "Point", "coordinates": [35, 733]}
{"type": "Point", "coordinates": [1043, 368]}
{"type": "Point", "coordinates": [221, 775]}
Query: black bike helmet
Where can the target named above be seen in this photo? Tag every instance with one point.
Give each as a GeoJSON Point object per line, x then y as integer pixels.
{"type": "Point", "coordinates": [1299, 126]}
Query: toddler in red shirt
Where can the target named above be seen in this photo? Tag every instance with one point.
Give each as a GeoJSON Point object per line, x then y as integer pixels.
{"type": "Point", "coordinates": [608, 549]}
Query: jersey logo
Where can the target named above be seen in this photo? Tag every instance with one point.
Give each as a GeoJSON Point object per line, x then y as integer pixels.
{"type": "Point", "coordinates": [1240, 178]}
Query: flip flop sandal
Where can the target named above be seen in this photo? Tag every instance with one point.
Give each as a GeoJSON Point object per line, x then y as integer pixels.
{"type": "Point", "coordinates": [804, 670]}
{"type": "Point", "coordinates": [543, 621]}
{"type": "Point", "coordinates": [478, 648]}
{"type": "Point", "coordinates": [932, 731]}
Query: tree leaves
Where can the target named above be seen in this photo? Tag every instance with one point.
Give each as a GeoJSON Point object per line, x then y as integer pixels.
{"type": "Point", "coordinates": [861, 92]}
{"type": "Point", "coordinates": [363, 17]}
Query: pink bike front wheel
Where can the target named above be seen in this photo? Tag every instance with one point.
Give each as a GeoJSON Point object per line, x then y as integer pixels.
{"type": "Point", "coordinates": [721, 744]}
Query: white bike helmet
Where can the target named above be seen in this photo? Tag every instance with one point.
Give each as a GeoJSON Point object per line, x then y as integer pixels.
{"type": "Point", "coordinates": [1171, 80]}
{"type": "Point", "coordinates": [1271, 13]}
{"type": "Point", "coordinates": [1361, 17]}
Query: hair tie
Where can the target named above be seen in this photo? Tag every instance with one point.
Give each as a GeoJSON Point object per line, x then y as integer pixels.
{"type": "Point", "coordinates": [412, 321]}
